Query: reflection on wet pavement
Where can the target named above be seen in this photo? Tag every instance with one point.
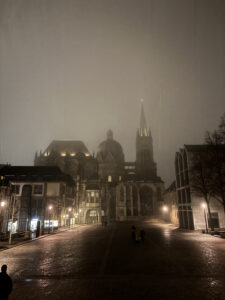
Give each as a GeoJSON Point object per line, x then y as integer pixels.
{"type": "Point", "coordinates": [92, 262]}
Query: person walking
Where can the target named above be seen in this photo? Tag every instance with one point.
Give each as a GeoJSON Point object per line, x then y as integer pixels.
{"type": "Point", "coordinates": [5, 284]}
{"type": "Point", "coordinates": [142, 234]}
{"type": "Point", "coordinates": [133, 233]}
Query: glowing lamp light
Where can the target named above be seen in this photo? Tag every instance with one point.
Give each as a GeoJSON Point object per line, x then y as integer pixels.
{"type": "Point", "coordinates": [203, 205]}
{"type": "Point", "coordinates": [50, 207]}
{"type": "Point", "coordinates": [2, 203]}
{"type": "Point", "coordinates": [72, 154]}
{"type": "Point", "coordinates": [87, 154]}
{"type": "Point", "coordinates": [80, 210]}
{"type": "Point", "coordinates": [69, 209]}
{"type": "Point", "coordinates": [63, 153]}
{"type": "Point", "coordinates": [165, 208]}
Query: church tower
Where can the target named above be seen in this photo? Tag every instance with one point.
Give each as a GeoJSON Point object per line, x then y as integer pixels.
{"type": "Point", "coordinates": [145, 166]}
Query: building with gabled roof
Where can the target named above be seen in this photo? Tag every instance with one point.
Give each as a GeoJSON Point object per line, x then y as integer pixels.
{"type": "Point", "coordinates": [29, 191]}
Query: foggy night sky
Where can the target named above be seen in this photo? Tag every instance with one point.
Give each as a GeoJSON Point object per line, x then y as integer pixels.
{"type": "Point", "coordinates": [73, 69]}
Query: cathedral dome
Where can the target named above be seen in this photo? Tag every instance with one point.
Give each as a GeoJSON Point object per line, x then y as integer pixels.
{"type": "Point", "coordinates": [110, 149]}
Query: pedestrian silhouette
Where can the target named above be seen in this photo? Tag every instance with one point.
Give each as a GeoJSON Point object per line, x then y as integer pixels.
{"type": "Point", "coordinates": [133, 233]}
{"type": "Point", "coordinates": [142, 234]}
{"type": "Point", "coordinates": [5, 283]}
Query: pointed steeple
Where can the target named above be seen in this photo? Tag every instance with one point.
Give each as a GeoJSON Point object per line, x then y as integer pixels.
{"type": "Point", "coordinates": [145, 165]}
{"type": "Point", "coordinates": [143, 123]}
{"type": "Point", "coordinates": [143, 130]}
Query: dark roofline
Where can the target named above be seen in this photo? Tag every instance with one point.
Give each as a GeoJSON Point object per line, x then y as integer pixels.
{"type": "Point", "coordinates": [60, 142]}
{"type": "Point", "coordinates": [204, 147]}
{"type": "Point", "coordinates": [35, 174]}
{"type": "Point", "coordinates": [171, 187]}
{"type": "Point", "coordinates": [34, 170]}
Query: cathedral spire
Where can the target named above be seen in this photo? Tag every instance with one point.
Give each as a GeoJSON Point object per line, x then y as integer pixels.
{"type": "Point", "coordinates": [143, 130]}
{"type": "Point", "coordinates": [142, 120]}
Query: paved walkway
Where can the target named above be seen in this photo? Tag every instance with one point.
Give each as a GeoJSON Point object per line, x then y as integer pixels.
{"type": "Point", "coordinates": [4, 245]}
{"type": "Point", "coordinates": [94, 262]}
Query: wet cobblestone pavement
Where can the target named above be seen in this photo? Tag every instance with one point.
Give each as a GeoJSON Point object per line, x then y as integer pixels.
{"type": "Point", "coordinates": [93, 262]}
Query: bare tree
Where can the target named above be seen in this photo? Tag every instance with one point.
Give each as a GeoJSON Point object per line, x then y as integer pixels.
{"type": "Point", "coordinates": [216, 161]}
{"type": "Point", "coordinates": [221, 128]}
{"type": "Point", "coordinates": [200, 179]}
{"type": "Point", "coordinates": [217, 137]}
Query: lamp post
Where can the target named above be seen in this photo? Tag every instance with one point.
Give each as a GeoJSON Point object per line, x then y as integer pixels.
{"type": "Point", "coordinates": [165, 211]}
{"type": "Point", "coordinates": [3, 203]}
{"type": "Point", "coordinates": [206, 226]}
{"type": "Point", "coordinates": [69, 210]}
{"type": "Point", "coordinates": [80, 210]}
{"type": "Point", "coordinates": [49, 215]}
{"type": "Point", "coordinates": [165, 208]}
{"type": "Point", "coordinates": [13, 210]}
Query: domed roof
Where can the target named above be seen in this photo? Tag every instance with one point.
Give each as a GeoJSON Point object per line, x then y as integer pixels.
{"type": "Point", "coordinates": [110, 149]}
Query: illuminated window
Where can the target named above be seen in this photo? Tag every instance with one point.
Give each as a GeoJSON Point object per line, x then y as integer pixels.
{"type": "Point", "coordinates": [63, 153]}
{"type": "Point", "coordinates": [93, 213]}
{"type": "Point", "coordinates": [120, 178]}
{"type": "Point", "coordinates": [96, 194]}
{"type": "Point", "coordinates": [92, 197]}
{"type": "Point", "coordinates": [72, 154]}
{"type": "Point", "coordinates": [46, 154]}
{"type": "Point", "coordinates": [109, 178]}
{"type": "Point", "coordinates": [87, 154]}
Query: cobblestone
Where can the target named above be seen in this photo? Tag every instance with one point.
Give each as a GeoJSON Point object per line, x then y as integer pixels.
{"type": "Point", "coordinates": [95, 262]}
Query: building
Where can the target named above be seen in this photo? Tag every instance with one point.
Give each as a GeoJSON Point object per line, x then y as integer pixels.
{"type": "Point", "coordinates": [35, 197]}
{"type": "Point", "coordinates": [108, 187]}
{"type": "Point", "coordinates": [72, 157]}
{"type": "Point", "coordinates": [170, 201]}
{"type": "Point", "coordinates": [191, 211]}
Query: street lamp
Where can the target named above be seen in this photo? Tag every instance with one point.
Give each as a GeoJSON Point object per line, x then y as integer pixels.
{"type": "Point", "coordinates": [69, 210]}
{"type": "Point", "coordinates": [165, 208]}
{"type": "Point", "coordinates": [49, 214]}
{"type": "Point", "coordinates": [2, 214]}
{"type": "Point", "coordinates": [204, 207]}
{"type": "Point", "coordinates": [79, 214]}
{"type": "Point", "coordinates": [2, 203]}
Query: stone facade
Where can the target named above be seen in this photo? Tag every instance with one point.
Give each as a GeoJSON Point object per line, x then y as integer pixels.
{"type": "Point", "coordinates": [106, 186]}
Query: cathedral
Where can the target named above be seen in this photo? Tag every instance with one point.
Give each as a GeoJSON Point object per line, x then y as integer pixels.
{"type": "Point", "coordinates": [107, 187]}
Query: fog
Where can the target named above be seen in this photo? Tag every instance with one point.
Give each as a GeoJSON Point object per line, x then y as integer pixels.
{"type": "Point", "coordinates": [73, 69]}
